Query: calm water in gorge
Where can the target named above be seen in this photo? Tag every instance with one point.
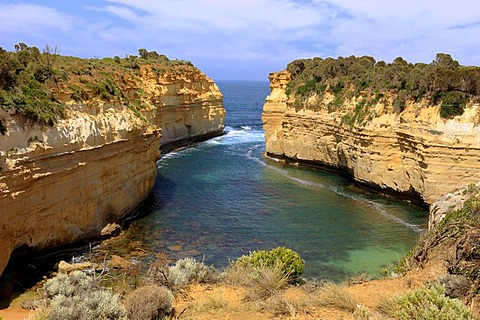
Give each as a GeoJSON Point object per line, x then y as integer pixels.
{"type": "Point", "coordinates": [222, 198]}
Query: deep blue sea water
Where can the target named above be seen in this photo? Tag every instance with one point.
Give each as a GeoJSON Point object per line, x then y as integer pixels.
{"type": "Point", "coordinates": [222, 198]}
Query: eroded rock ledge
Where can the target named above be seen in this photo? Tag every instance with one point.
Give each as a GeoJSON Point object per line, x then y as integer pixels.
{"type": "Point", "coordinates": [414, 152]}
{"type": "Point", "coordinates": [60, 184]}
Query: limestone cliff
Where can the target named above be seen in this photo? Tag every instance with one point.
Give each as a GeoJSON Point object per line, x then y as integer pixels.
{"type": "Point", "coordinates": [411, 151]}
{"type": "Point", "coordinates": [63, 183]}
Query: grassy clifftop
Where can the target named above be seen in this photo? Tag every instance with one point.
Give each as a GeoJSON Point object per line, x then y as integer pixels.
{"type": "Point", "coordinates": [37, 83]}
{"type": "Point", "coordinates": [442, 82]}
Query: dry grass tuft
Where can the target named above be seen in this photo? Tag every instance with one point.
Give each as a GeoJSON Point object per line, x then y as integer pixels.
{"type": "Point", "coordinates": [338, 297]}
{"type": "Point", "coordinates": [262, 281]}
{"type": "Point", "coordinates": [282, 306]}
{"type": "Point", "coordinates": [213, 303]}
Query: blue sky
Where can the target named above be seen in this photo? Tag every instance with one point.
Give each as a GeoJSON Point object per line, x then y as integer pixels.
{"type": "Point", "coordinates": [247, 39]}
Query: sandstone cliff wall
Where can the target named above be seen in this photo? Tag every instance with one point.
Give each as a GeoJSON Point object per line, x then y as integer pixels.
{"type": "Point", "coordinates": [415, 152]}
{"type": "Point", "coordinates": [64, 183]}
{"type": "Point", "coordinates": [188, 106]}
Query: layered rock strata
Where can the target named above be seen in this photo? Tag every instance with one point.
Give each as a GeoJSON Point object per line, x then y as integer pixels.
{"type": "Point", "coordinates": [188, 106]}
{"type": "Point", "coordinates": [414, 152]}
{"type": "Point", "coordinates": [64, 183]}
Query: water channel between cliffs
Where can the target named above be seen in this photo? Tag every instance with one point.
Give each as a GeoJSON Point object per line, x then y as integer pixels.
{"type": "Point", "coordinates": [221, 199]}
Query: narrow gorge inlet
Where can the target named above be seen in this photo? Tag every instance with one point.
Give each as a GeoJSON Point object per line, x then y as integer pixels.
{"type": "Point", "coordinates": [281, 159]}
{"type": "Point", "coordinates": [222, 198]}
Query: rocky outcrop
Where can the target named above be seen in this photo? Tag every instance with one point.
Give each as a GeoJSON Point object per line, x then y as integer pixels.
{"type": "Point", "coordinates": [451, 202]}
{"type": "Point", "coordinates": [414, 152]}
{"type": "Point", "coordinates": [188, 106]}
{"type": "Point", "coordinates": [63, 183]}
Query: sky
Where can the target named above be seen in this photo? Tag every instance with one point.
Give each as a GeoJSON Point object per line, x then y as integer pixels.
{"type": "Point", "coordinates": [247, 39]}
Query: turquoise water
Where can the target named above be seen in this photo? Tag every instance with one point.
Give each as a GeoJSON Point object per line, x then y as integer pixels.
{"type": "Point", "coordinates": [222, 198]}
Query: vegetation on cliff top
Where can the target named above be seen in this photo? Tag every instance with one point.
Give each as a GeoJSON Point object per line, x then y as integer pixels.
{"type": "Point", "coordinates": [443, 82]}
{"type": "Point", "coordinates": [37, 83]}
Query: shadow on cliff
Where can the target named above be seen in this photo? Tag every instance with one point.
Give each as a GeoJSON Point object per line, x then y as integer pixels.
{"type": "Point", "coordinates": [28, 267]}
{"type": "Point", "coordinates": [153, 202]}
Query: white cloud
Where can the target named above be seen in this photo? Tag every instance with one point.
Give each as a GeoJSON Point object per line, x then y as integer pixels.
{"type": "Point", "coordinates": [32, 18]}
{"type": "Point", "coordinates": [410, 28]}
{"type": "Point", "coordinates": [257, 35]}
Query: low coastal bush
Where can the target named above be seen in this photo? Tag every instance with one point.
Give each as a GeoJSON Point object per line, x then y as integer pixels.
{"type": "Point", "coordinates": [184, 272]}
{"type": "Point", "coordinates": [77, 283]}
{"type": "Point", "coordinates": [149, 303]}
{"type": "Point", "coordinates": [427, 302]}
{"type": "Point", "coordinates": [188, 270]}
{"type": "Point", "coordinates": [290, 261]}
{"type": "Point", "coordinates": [78, 296]}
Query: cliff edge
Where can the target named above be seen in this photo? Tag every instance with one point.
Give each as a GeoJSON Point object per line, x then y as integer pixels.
{"type": "Point", "coordinates": [400, 128]}
{"type": "Point", "coordinates": [79, 139]}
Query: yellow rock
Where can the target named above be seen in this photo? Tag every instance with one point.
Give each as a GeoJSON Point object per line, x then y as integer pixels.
{"type": "Point", "coordinates": [66, 267]}
{"type": "Point", "coordinates": [64, 183]}
{"type": "Point", "coordinates": [415, 152]}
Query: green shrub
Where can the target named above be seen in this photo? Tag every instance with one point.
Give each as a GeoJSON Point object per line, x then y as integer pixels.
{"type": "Point", "coordinates": [291, 262]}
{"type": "Point", "coordinates": [453, 104]}
{"type": "Point", "coordinates": [149, 303]}
{"type": "Point", "coordinates": [427, 302]}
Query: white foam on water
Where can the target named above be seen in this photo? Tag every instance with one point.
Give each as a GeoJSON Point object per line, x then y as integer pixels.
{"type": "Point", "coordinates": [238, 136]}
{"type": "Point", "coordinates": [376, 206]}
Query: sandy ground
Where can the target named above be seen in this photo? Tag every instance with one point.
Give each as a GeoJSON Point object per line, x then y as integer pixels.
{"type": "Point", "coordinates": [14, 313]}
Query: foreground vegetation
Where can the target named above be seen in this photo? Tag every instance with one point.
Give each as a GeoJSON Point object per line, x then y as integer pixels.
{"type": "Point", "coordinates": [37, 83]}
{"type": "Point", "coordinates": [264, 281]}
{"type": "Point", "coordinates": [458, 235]}
{"type": "Point", "coordinates": [442, 82]}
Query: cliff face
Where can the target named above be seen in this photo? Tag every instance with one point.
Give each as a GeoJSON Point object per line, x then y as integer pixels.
{"type": "Point", "coordinates": [413, 152]}
{"type": "Point", "coordinates": [64, 183]}
{"type": "Point", "coordinates": [190, 107]}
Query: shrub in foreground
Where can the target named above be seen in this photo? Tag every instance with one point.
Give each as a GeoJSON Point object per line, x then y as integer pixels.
{"type": "Point", "coordinates": [425, 303]}
{"type": "Point", "coordinates": [149, 303]}
{"type": "Point", "coordinates": [188, 270]}
{"type": "Point", "coordinates": [78, 296]}
{"type": "Point", "coordinates": [290, 261]}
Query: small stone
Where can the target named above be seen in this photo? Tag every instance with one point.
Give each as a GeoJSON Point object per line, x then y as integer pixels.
{"type": "Point", "coordinates": [175, 248]}
{"type": "Point", "coordinates": [118, 262]}
{"type": "Point", "coordinates": [66, 267]}
{"type": "Point", "coordinates": [111, 230]}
